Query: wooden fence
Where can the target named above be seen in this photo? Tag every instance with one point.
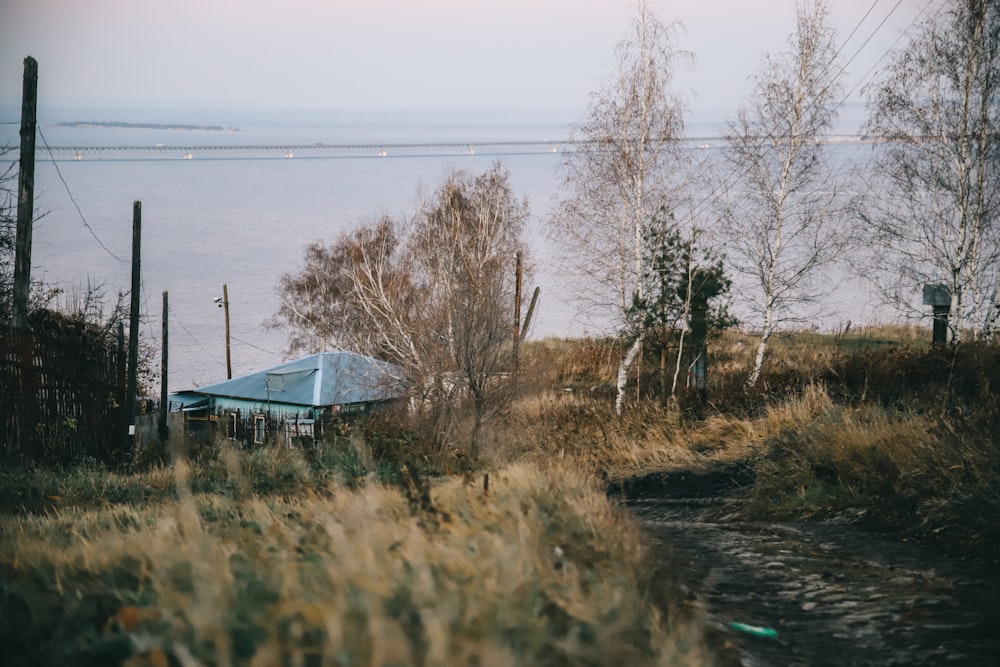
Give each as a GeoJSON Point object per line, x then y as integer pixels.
{"type": "Point", "coordinates": [62, 389]}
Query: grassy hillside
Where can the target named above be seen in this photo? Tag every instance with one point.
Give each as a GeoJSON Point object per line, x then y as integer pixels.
{"type": "Point", "coordinates": [270, 558]}
{"type": "Point", "coordinates": [377, 553]}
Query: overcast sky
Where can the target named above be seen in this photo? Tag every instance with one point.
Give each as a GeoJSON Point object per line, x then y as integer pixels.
{"type": "Point", "coordinates": [501, 55]}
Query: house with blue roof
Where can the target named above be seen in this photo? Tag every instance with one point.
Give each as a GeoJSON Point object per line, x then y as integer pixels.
{"type": "Point", "coordinates": [295, 400]}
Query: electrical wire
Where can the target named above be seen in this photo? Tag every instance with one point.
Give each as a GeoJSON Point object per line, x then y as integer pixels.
{"type": "Point", "coordinates": [145, 301]}
{"type": "Point", "coordinates": [892, 46]}
{"type": "Point", "coordinates": [73, 199]}
{"type": "Point", "coordinates": [257, 347]}
{"type": "Point", "coordinates": [173, 317]}
{"type": "Point", "coordinates": [716, 193]}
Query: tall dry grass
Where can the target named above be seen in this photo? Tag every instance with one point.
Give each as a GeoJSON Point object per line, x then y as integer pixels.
{"type": "Point", "coordinates": [347, 557]}
{"type": "Point", "coordinates": [872, 422]}
{"type": "Point", "coordinates": [925, 475]}
{"type": "Point", "coordinates": [537, 569]}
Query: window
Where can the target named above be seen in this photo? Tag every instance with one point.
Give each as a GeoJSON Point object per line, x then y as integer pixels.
{"type": "Point", "coordinates": [231, 423]}
{"type": "Point", "coordinates": [259, 429]}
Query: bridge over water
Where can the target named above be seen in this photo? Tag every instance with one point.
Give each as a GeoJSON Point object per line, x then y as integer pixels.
{"type": "Point", "coordinates": [317, 150]}
{"type": "Point", "coordinates": [322, 150]}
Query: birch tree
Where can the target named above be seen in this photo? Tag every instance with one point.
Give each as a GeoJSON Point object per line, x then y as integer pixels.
{"type": "Point", "coordinates": [933, 213]}
{"type": "Point", "coordinates": [784, 216]}
{"type": "Point", "coordinates": [621, 173]}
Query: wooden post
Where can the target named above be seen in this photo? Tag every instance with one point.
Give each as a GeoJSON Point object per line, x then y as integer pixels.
{"type": "Point", "coordinates": [699, 344]}
{"type": "Point", "coordinates": [939, 331]}
{"type": "Point", "coordinates": [121, 386]}
{"type": "Point", "coordinates": [25, 195]}
{"type": "Point", "coordinates": [225, 305]}
{"type": "Point", "coordinates": [133, 325]}
{"type": "Point", "coordinates": [163, 429]}
{"type": "Point", "coordinates": [25, 411]}
{"type": "Point", "coordinates": [517, 308]}
{"type": "Point", "coordinates": [531, 311]}
{"type": "Point", "coordinates": [938, 296]}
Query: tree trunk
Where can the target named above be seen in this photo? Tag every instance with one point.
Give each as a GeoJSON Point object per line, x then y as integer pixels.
{"type": "Point", "coordinates": [477, 428]}
{"type": "Point", "coordinates": [626, 363]}
{"type": "Point", "coordinates": [758, 362]}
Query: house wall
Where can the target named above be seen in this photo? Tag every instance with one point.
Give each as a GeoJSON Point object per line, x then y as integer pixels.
{"type": "Point", "coordinates": [256, 423]}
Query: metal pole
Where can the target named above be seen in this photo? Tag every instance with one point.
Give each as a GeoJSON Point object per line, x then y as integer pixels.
{"type": "Point", "coordinates": [25, 195]}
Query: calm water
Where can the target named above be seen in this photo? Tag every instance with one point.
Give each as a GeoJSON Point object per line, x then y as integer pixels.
{"type": "Point", "coordinates": [244, 222]}
{"type": "Point", "coordinates": [210, 221]}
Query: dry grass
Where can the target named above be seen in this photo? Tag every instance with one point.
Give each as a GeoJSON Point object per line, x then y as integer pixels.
{"type": "Point", "coordinates": [871, 422]}
{"type": "Point", "coordinates": [540, 569]}
{"type": "Point", "coordinates": [926, 475]}
{"type": "Point", "coordinates": [285, 557]}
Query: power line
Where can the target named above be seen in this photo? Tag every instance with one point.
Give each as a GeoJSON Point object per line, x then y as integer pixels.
{"type": "Point", "coordinates": [173, 316]}
{"type": "Point", "coordinates": [865, 43]}
{"type": "Point", "coordinates": [145, 301]}
{"type": "Point", "coordinates": [856, 28]}
{"type": "Point", "coordinates": [892, 46]}
{"type": "Point", "coordinates": [714, 196]}
{"type": "Point", "coordinates": [257, 347]}
{"type": "Point", "coordinates": [73, 199]}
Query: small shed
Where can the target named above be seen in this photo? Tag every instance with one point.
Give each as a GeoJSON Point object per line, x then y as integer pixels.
{"type": "Point", "coordinates": [297, 397]}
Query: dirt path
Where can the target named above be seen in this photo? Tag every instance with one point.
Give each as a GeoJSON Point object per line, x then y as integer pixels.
{"type": "Point", "coordinates": [831, 593]}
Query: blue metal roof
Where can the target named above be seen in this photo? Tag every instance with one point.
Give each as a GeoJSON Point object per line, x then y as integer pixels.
{"type": "Point", "coordinates": [319, 380]}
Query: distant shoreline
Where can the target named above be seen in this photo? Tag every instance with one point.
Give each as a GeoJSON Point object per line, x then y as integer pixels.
{"type": "Point", "coordinates": [145, 126]}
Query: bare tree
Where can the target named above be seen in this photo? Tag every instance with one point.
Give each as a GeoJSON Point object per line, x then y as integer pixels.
{"type": "Point", "coordinates": [8, 232]}
{"type": "Point", "coordinates": [783, 218]}
{"type": "Point", "coordinates": [621, 174]}
{"type": "Point", "coordinates": [433, 295]}
{"type": "Point", "coordinates": [936, 177]}
{"type": "Point", "coordinates": [465, 243]}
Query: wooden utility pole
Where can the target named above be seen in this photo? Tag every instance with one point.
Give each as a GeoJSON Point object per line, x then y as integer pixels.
{"type": "Point", "coordinates": [531, 311]}
{"type": "Point", "coordinates": [163, 429]}
{"type": "Point", "coordinates": [699, 344]}
{"type": "Point", "coordinates": [225, 306]}
{"type": "Point", "coordinates": [517, 308]}
{"type": "Point", "coordinates": [121, 373]}
{"type": "Point", "coordinates": [133, 325]}
{"type": "Point", "coordinates": [25, 195]}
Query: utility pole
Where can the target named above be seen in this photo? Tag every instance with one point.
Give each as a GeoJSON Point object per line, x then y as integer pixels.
{"type": "Point", "coordinates": [26, 412]}
{"type": "Point", "coordinates": [121, 373]}
{"type": "Point", "coordinates": [517, 309]}
{"type": "Point", "coordinates": [163, 429]}
{"type": "Point", "coordinates": [25, 194]}
{"type": "Point", "coordinates": [133, 324]}
{"type": "Point", "coordinates": [225, 306]}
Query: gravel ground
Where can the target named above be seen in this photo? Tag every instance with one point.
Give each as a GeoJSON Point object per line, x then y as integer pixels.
{"type": "Point", "coordinates": [789, 594]}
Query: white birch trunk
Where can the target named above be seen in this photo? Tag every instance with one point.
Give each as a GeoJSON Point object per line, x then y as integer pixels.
{"type": "Point", "coordinates": [758, 361]}
{"type": "Point", "coordinates": [626, 363]}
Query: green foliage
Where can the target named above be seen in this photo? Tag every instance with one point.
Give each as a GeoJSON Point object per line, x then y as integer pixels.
{"type": "Point", "coordinates": [678, 273]}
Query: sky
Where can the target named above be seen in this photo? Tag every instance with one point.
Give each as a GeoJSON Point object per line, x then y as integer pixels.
{"type": "Point", "coordinates": [531, 56]}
